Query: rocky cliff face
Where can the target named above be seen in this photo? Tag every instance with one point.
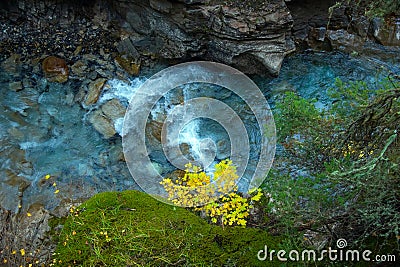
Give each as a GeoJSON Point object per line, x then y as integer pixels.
{"type": "Point", "coordinates": [252, 37]}
{"type": "Point", "coordinates": [319, 26]}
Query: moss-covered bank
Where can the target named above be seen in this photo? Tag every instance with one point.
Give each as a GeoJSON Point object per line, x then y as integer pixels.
{"type": "Point", "coordinates": [132, 229]}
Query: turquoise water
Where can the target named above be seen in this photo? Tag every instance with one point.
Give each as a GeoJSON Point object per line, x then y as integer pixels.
{"type": "Point", "coordinates": [44, 131]}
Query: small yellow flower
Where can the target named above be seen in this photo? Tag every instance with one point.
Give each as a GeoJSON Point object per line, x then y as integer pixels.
{"type": "Point", "coordinates": [47, 177]}
{"type": "Point", "coordinates": [5, 261]}
{"type": "Point", "coordinates": [54, 184]}
{"type": "Point", "coordinates": [14, 252]}
{"type": "Point", "coordinates": [28, 214]}
{"type": "Point", "coordinates": [73, 232]}
{"type": "Point", "coordinates": [57, 191]}
{"type": "Point", "coordinates": [22, 251]}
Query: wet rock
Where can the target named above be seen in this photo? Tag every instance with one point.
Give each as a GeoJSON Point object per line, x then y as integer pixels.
{"type": "Point", "coordinates": [10, 198]}
{"type": "Point", "coordinates": [79, 68]}
{"type": "Point", "coordinates": [176, 174]}
{"type": "Point", "coordinates": [11, 178]}
{"type": "Point", "coordinates": [55, 69]}
{"type": "Point", "coordinates": [102, 124]}
{"type": "Point", "coordinates": [26, 82]}
{"type": "Point", "coordinates": [157, 167]}
{"type": "Point", "coordinates": [94, 91]}
{"type": "Point", "coordinates": [16, 86]}
{"type": "Point", "coordinates": [185, 149]}
{"type": "Point", "coordinates": [129, 64]}
{"type": "Point", "coordinates": [113, 109]}
{"type": "Point", "coordinates": [153, 130]}
{"type": "Point", "coordinates": [92, 75]}
{"type": "Point", "coordinates": [80, 95]}
{"type": "Point", "coordinates": [223, 149]}
{"type": "Point", "coordinates": [360, 25]}
{"type": "Point", "coordinates": [77, 50]}
{"type": "Point", "coordinates": [16, 133]}
{"type": "Point", "coordinates": [162, 6]}
{"type": "Point", "coordinates": [117, 154]}
{"type": "Point", "coordinates": [12, 65]}
{"type": "Point", "coordinates": [69, 99]}
{"type": "Point", "coordinates": [105, 73]}
{"type": "Point", "coordinates": [126, 47]}
{"type": "Point", "coordinates": [344, 41]}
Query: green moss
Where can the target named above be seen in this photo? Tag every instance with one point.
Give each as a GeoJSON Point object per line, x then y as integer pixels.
{"type": "Point", "coordinates": [133, 229]}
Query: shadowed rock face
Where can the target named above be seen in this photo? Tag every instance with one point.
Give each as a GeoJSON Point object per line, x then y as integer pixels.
{"type": "Point", "coordinates": [251, 37]}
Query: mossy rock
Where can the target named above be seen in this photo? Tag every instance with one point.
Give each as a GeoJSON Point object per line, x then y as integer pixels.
{"type": "Point", "coordinates": [133, 229]}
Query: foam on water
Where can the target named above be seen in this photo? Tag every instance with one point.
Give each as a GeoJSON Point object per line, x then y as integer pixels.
{"type": "Point", "coordinates": [190, 135]}
{"type": "Point", "coordinates": [118, 125]}
{"type": "Point", "coordinates": [28, 145]}
{"type": "Point", "coordinates": [121, 90]}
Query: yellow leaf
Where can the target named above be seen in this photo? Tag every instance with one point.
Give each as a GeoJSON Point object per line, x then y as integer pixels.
{"type": "Point", "coordinates": [14, 252]}
{"type": "Point", "coordinates": [22, 251]}
{"type": "Point", "coordinates": [54, 184]}
{"type": "Point", "coordinates": [57, 191]}
{"type": "Point", "coordinates": [47, 177]}
{"type": "Point", "coordinates": [28, 214]}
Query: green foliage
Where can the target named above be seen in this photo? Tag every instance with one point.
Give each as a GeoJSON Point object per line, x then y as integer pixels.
{"type": "Point", "coordinates": [349, 98]}
{"type": "Point", "coordinates": [371, 8]}
{"type": "Point", "coordinates": [295, 114]}
{"type": "Point", "coordinates": [341, 178]}
{"type": "Point", "coordinates": [303, 130]}
{"type": "Point", "coordinates": [381, 8]}
{"type": "Point", "coordinates": [133, 229]}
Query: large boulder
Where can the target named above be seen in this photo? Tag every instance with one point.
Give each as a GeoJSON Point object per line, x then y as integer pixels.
{"type": "Point", "coordinates": [251, 37]}
{"type": "Point", "coordinates": [387, 32]}
{"type": "Point", "coordinates": [55, 69]}
{"type": "Point", "coordinates": [102, 124]}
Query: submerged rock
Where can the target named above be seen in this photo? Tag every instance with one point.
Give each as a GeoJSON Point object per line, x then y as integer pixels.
{"type": "Point", "coordinates": [12, 65]}
{"type": "Point", "coordinates": [102, 124]}
{"type": "Point", "coordinates": [55, 69]}
{"type": "Point", "coordinates": [79, 68]}
{"type": "Point", "coordinates": [16, 86]}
